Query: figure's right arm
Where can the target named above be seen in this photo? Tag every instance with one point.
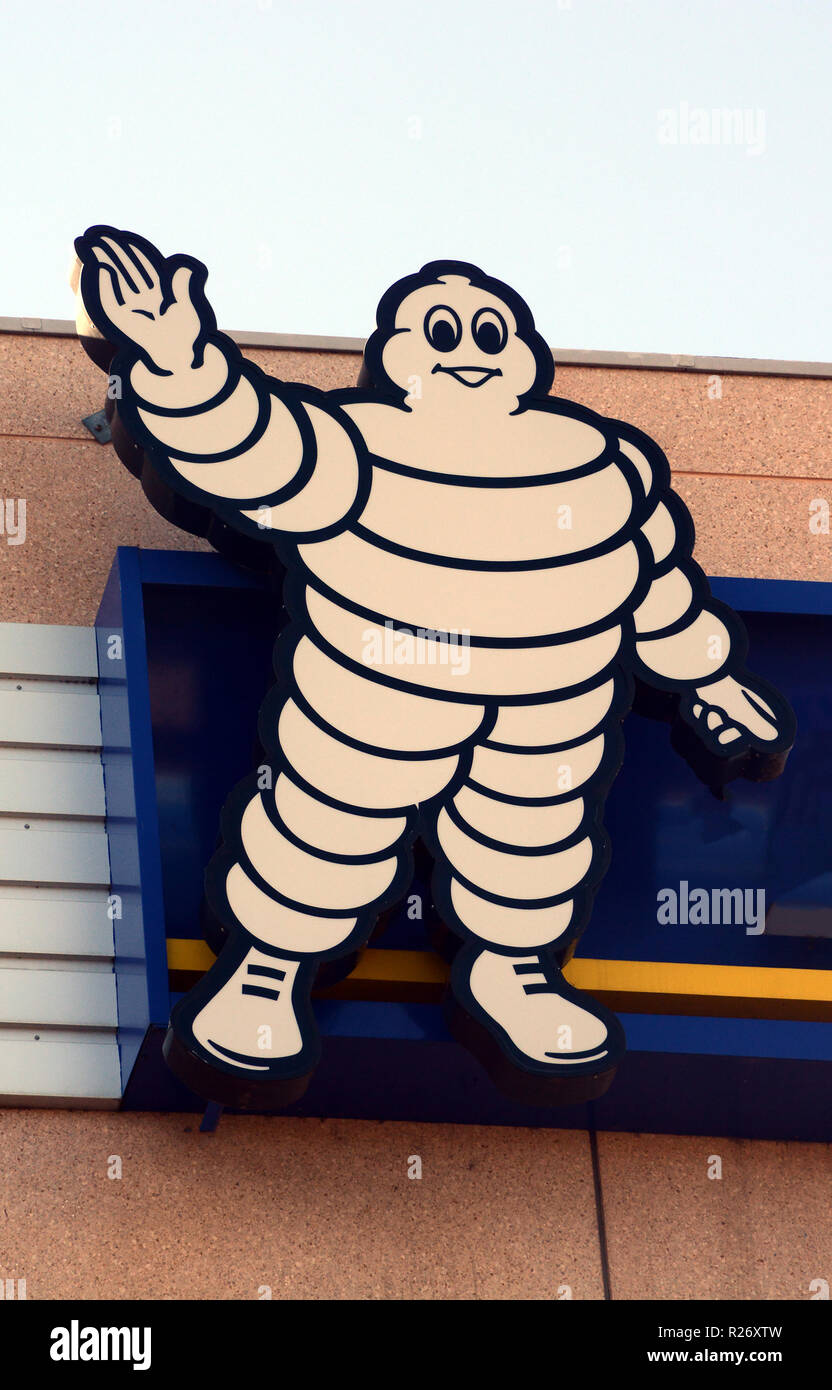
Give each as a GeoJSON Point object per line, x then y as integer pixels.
{"type": "Point", "coordinates": [262, 454]}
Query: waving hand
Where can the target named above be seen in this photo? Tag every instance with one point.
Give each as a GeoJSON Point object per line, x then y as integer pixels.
{"type": "Point", "coordinates": [133, 294]}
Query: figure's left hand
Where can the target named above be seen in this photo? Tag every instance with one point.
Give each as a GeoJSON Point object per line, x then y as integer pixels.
{"type": "Point", "coordinates": [728, 710]}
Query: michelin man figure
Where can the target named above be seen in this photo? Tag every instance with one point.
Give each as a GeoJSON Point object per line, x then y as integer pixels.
{"type": "Point", "coordinates": [478, 575]}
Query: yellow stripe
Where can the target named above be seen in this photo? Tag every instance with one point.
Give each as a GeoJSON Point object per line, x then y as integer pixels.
{"type": "Point", "coordinates": [731, 991]}
{"type": "Point", "coordinates": [184, 954]}
{"type": "Point", "coordinates": [728, 991]}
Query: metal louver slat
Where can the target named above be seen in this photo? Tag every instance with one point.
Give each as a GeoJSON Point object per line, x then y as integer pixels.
{"type": "Point", "coordinates": [57, 922]}
{"type": "Point", "coordinates": [49, 1069]}
{"type": "Point", "coordinates": [62, 653]}
{"type": "Point", "coordinates": [63, 998]}
{"type": "Point", "coordinates": [65, 720]}
{"type": "Point", "coordinates": [38, 785]}
{"type": "Point", "coordinates": [53, 856]}
{"type": "Point", "coordinates": [58, 1003]}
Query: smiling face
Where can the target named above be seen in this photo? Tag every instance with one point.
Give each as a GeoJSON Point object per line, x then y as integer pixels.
{"type": "Point", "coordinates": [455, 346]}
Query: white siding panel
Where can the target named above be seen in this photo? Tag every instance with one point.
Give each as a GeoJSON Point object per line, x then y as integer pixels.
{"type": "Point", "coordinates": [32, 924]}
{"type": "Point", "coordinates": [62, 998]}
{"type": "Point", "coordinates": [53, 856]}
{"type": "Point", "coordinates": [59, 1071]}
{"type": "Point", "coordinates": [32, 649]}
{"type": "Point", "coordinates": [41, 786]}
{"type": "Point", "coordinates": [65, 720]}
{"type": "Point", "coordinates": [58, 1014]}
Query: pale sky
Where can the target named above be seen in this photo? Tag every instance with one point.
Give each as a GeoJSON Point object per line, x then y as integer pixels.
{"type": "Point", "coordinates": [651, 175]}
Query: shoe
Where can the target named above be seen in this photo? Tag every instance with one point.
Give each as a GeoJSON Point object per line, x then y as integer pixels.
{"type": "Point", "coordinates": [245, 1035]}
{"type": "Point", "coordinates": [541, 1041]}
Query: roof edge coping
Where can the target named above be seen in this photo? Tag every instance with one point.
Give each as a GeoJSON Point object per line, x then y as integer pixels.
{"type": "Point", "coordinates": [566, 357]}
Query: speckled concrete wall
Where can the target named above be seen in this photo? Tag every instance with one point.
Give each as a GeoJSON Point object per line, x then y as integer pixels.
{"type": "Point", "coordinates": [325, 1209]}
{"type": "Point", "coordinates": [319, 1209]}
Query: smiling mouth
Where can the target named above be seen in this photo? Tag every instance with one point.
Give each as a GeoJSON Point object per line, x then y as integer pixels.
{"type": "Point", "coordinates": [469, 376]}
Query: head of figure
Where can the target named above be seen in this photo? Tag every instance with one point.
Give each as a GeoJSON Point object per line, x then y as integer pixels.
{"type": "Point", "coordinates": [452, 339]}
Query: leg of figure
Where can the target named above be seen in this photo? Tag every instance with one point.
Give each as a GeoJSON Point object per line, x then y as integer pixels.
{"type": "Point", "coordinates": [520, 849]}
{"type": "Point", "coordinates": [307, 863]}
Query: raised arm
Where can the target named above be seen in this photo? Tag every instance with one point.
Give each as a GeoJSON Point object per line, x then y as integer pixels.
{"type": "Point", "coordinates": [262, 454]}
{"type": "Point", "coordinates": [685, 640]}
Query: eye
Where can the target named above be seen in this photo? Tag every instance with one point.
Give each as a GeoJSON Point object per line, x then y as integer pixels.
{"type": "Point", "coordinates": [443, 329]}
{"type": "Point", "coordinates": [489, 330]}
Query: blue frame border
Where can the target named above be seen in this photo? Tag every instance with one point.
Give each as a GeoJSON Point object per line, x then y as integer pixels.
{"type": "Point", "coordinates": [666, 1039]}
